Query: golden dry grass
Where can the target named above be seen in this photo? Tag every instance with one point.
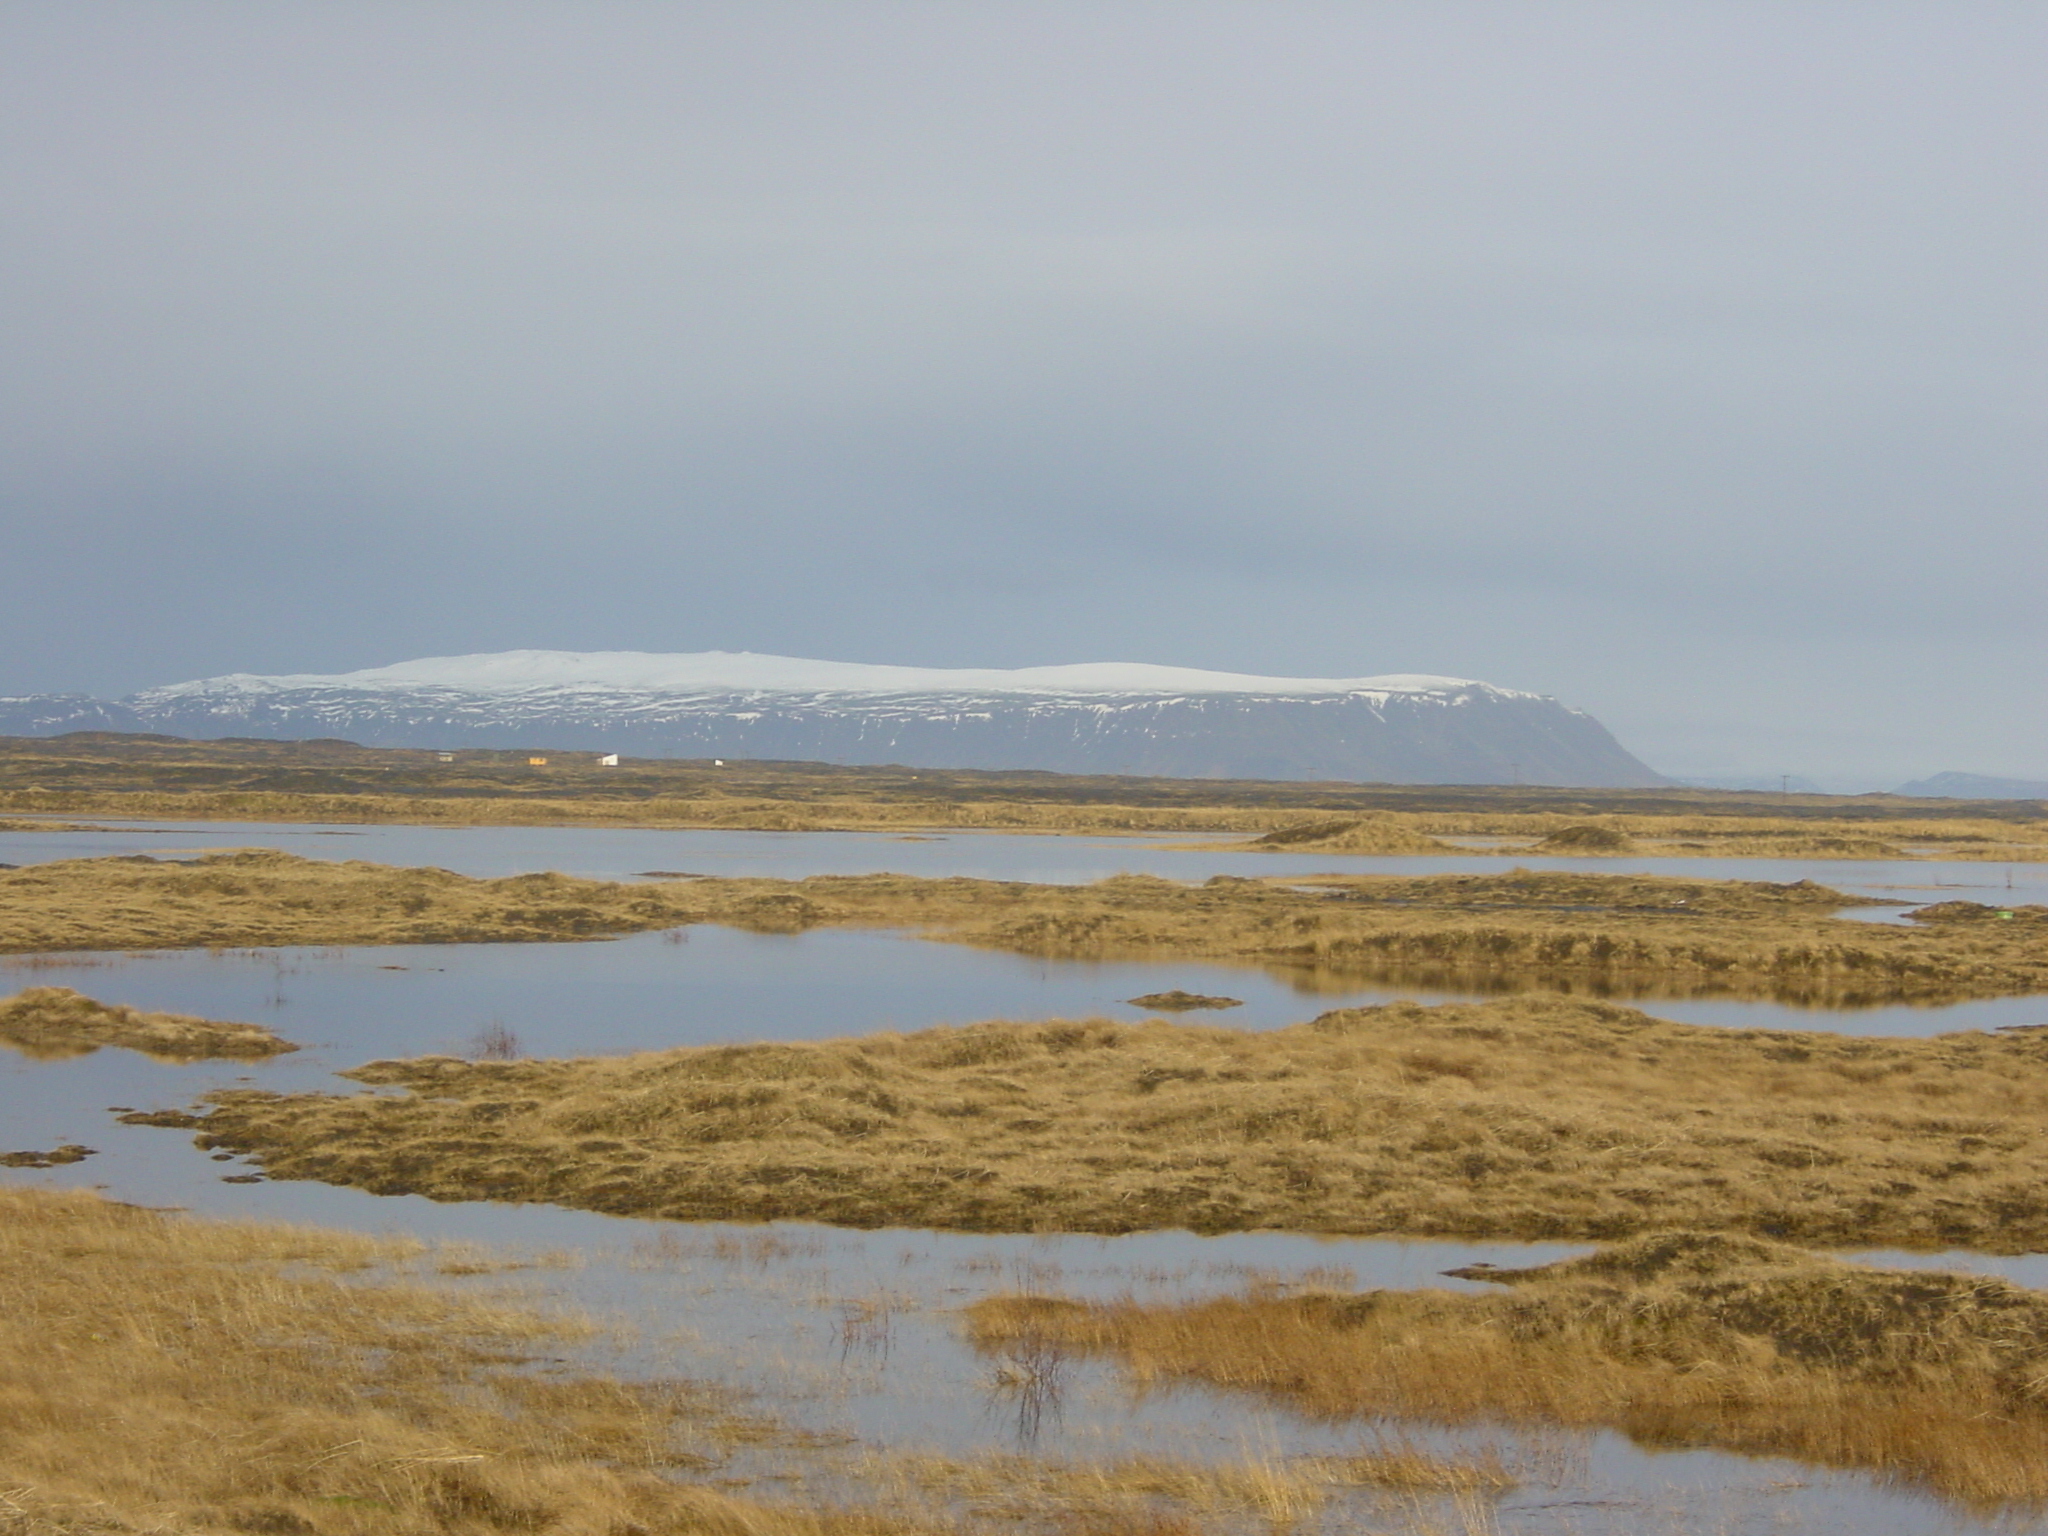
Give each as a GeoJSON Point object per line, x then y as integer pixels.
{"type": "Point", "coordinates": [1282, 1492]}
{"type": "Point", "coordinates": [1679, 1339]}
{"type": "Point", "coordinates": [166, 1374]}
{"type": "Point", "coordinates": [1385, 834]}
{"type": "Point", "coordinates": [1512, 929]}
{"type": "Point", "coordinates": [1623, 834]}
{"type": "Point", "coordinates": [52, 1023]}
{"type": "Point", "coordinates": [334, 781]}
{"type": "Point", "coordinates": [1525, 1118]}
{"type": "Point", "coordinates": [714, 811]}
{"type": "Point", "coordinates": [258, 897]}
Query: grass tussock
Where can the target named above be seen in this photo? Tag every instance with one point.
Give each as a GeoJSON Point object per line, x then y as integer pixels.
{"type": "Point", "coordinates": [1524, 1118]}
{"type": "Point", "coordinates": [1131, 1493]}
{"type": "Point", "coordinates": [1180, 1001]}
{"type": "Point", "coordinates": [53, 1023]}
{"type": "Point", "coordinates": [167, 1374]}
{"type": "Point", "coordinates": [1372, 834]}
{"type": "Point", "coordinates": [1679, 1339]}
{"type": "Point", "coordinates": [1515, 929]}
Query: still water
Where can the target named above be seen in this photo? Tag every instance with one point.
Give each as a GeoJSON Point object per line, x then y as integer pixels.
{"type": "Point", "coordinates": [854, 1335]}
{"type": "Point", "coordinates": [616, 853]}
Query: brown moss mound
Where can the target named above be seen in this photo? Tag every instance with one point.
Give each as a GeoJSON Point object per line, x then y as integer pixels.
{"type": "Point", "coordinates": [1587, 839]}
{"type": "Point", "coordinates": [1178, 1001]}
{"type": "Point", "coordinates": [1526, 1118]}
{"type": "Point", "coordinates": [1380, 835]}
{"type": "Point", "coordinates": [51, 1023]}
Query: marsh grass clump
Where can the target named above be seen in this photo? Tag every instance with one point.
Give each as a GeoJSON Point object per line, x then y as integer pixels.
{"type": "Point", "coordinates": [52, 1023]}
{"type": "Point", "coordinates": [159, 1373]}
{"type": "Point", "coordinates": [1161, 1495]}
{"type": "Point", "coordinates": [1371, 835]}
{"type": "Point", "coordinates": [496, 1041]}
{"type": "Point", "coordinates": [1677, 1338]}
{"type": "Point", "coordinates": [1528, 1118]}
{"type": "Point", "coordinates": [1586, 837]}
{"type": "Point", "coordinates": [1179, 1001]}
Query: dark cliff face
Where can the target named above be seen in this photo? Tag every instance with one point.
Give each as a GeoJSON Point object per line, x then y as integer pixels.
{"type": "Point", "coordinates": [1473, 735]}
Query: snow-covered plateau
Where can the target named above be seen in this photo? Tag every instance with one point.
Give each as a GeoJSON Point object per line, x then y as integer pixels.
{"type": "Point", "coordinates": [1111, 717]}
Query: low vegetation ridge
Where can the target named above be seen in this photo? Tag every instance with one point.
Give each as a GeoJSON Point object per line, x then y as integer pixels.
{"type": "Point", "coordinates": [1678, 1339]}
{"type": "Point", "coordinates": [1525, 1118]}
{"type": "Point", "coordinates": [52, 1023]}
{"type": "Point", "coordinates": [1633, 933]}
{"type": "Point", "coordinates": [112, 774]}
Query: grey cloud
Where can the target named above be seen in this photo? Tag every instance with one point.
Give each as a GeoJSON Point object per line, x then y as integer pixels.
{"type": "Point", "coordinates": [1682, 359]}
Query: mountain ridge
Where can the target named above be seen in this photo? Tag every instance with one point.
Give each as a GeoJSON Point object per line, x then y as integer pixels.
{"type": "Point", "coordinates": [1091, 718]}
{"type": "Point", "coordinates": [1974, 786]}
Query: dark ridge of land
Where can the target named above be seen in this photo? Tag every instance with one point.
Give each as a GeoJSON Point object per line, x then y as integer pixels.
{"type": "Point", "coordinates": [1678, 1339]}
{"type": "Point", "coordinates": [36, 773]}
{"type": "Point", "coordinates": [1528, 1118]}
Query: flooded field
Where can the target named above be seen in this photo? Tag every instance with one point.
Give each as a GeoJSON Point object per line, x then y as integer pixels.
{"type": "Point", "coordinates": [853, 1338]}
{"type": "Point", "coordinates": [610, 853]}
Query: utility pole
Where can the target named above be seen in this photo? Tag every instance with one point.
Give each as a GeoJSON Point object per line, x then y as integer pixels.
{"type": "Point", "coordinates": [1784, 783]}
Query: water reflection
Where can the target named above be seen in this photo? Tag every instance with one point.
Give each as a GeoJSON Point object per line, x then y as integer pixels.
{"type": "Point", "coordinates": [854, 1334]}
{"type": "Point", "coordinates": [710, 985]}
{"type": "Point", "coordinates": [617, 853]}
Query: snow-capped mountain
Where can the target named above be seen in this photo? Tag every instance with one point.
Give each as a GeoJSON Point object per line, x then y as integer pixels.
{"type": "Point", "coordinates": [1094, 718]}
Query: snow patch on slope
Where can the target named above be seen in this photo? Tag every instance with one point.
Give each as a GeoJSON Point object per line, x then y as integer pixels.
{"type": "Point", "coordinates": [512, 672]}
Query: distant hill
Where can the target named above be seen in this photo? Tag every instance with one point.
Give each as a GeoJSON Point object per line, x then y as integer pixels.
{"type": "Point", "coordinates": [1113, 718]}
{"type": "Point", "coordinates": [1975, 786]}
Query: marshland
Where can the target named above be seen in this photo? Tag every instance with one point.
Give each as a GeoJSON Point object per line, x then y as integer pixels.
{"type": "Point", "coordinates": [90, 774]}
{"type": "Point", "coordinates": [1435, 1067]}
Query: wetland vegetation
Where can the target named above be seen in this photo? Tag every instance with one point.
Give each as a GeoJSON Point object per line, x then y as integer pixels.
{"type": "Point", "coordinates": [1517, 928]}
{"type": "Point", "coordinates": [237, 1378]}
{"type": "Point", "coordinates": [334, 781]}
{"type": "Point", "coordinates": [1679, 1339]}
{"type": "Point", "coordinates": [159, 1373]}
{"type": "Point", "coordinates": [52, 1023]}
{"type": "Point", "coordinates": [1525, 1118]}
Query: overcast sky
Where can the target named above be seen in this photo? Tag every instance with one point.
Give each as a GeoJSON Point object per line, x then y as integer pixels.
{"type": "Point", "coordinates": [1683, 360]}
